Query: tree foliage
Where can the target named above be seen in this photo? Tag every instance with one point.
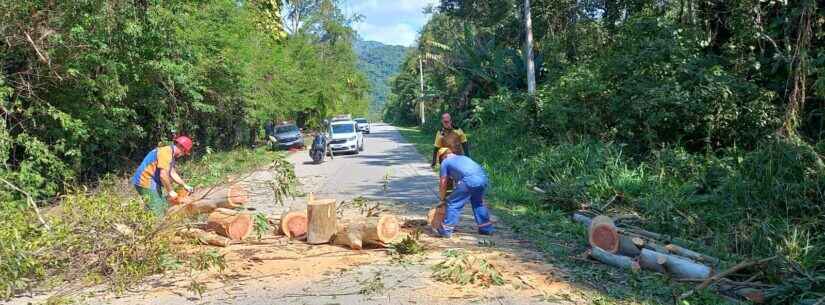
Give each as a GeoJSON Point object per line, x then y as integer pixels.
{"type": "Point", "coordinates": [89, 86]}
{"type": "Point", "coordinates": [705, 117]}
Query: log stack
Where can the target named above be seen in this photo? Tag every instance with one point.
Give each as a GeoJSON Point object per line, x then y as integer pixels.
{"type": "Point", "coordinates": [618, 247]}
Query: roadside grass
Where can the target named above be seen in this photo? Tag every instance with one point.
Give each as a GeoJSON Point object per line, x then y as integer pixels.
{"type": "Point", "coordinates": [550, 229]}
{"type": "Point", "coordinates": [105, 236]}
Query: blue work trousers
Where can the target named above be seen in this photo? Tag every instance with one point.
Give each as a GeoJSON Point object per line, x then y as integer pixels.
{"type": "Point", "coordinates": [455, 203]}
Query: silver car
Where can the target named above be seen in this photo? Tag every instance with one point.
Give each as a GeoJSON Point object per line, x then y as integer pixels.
{"type": "Point", "coordinates": [288, 135]}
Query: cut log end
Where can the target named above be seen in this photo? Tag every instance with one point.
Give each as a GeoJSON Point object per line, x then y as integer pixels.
{"type": "Point", "coordinates": [233, 225]}
{"type": "Point", "coordinates": [603, 234]}
{"type": "Point", "coordinates": [294, 224]}
{"type": "Point", "coordinates": [388, 228]}
{"type": "Point", "coordinates": [237, 196]}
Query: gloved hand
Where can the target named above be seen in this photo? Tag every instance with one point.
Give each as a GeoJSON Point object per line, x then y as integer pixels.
{"type": "Point", "coordinates": [188, 188]}
{"type": "Point", "coordinates": [172, 194]}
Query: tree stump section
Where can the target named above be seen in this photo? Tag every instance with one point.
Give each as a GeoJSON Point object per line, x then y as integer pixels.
{"type": "Point", "coordinates": [378, 231]}
{"type": "Point", "coordinates": [322, 222]}
{"type": "Point", "coordinates": [603, 234]}
{"type": "Point", "coordinates": [294, 224]}
{"type": "Point", "coordinates": [435, 217]}
{"type": "Point", "coordinates": [229, 223]}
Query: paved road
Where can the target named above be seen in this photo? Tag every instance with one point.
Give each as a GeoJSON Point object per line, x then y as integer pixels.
{"type": "Point", "coordinates": [278, 271]}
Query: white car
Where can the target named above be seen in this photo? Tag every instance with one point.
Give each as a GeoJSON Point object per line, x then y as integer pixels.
{"type": "Point", "coordinates": [345, 137]}
{"type": "Point", "coordinates": [363, 125]}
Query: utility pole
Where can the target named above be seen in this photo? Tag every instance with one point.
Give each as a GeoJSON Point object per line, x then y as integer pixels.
{"type": "Point", "coordinates": [421, 79]}
{"type": "Point", "coordinates": [528, 54]}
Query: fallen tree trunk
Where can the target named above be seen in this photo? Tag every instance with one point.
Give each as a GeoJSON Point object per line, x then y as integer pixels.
{"type": "Point", "coordinates": [372, 230]}
{"type": "Point", "coordinates": [230, 223]}
{"type": "Point", "coordinates": [675, 266]}
{"type": "Point", "coordinates": [294, 223]}
{"type": "Point", "coordinates": [322, 221]}
{"type": "Point", "coordinates": [205, 238]}
{"type": "Point", "coordinates": [614, 260]}
{"type": "Point", "coordinates": [602, 233]}
{"type": "Point", "coordinates": [207, 200]}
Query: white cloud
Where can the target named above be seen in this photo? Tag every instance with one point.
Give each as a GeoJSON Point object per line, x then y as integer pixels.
{"type": "Point", "coordinates": [390, 21]}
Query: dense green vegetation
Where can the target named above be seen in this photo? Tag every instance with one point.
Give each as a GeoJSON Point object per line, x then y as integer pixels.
{"type": "Point", "coordinates": [702, 117]}
{"type": "Point", "coordinates": [379, 62]}
{"type": "Point", "coordinates": [88, 87]}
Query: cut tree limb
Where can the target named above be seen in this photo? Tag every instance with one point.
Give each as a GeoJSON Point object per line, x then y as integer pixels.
{"type": "Point", "coordinates": [675, 249]}
{"type": "Point", "coordinates": [294, 223]}
{"type": "Point", "coordinates": [322, 221]}
{"type": "Point", "coordinates": [230, 223]}
{"type": "Point", "coordinates": [725, 273]}
{"type": "Point", "coordinates": [614, 260]}
{"type": "Point", "coordinates": [675, 266]}
{"type": "Point", "coordinates": [602, 233]}
{"type": "Point", "coordinates": [207, 200]}
{"type": "Point", "coordinates": [205, 238]}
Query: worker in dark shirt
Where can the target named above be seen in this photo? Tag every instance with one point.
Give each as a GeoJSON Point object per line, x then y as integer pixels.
{"type": "Point", "coordinates": [470, 184]}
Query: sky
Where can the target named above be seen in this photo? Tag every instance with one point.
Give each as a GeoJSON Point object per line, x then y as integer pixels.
{"type": "Point", "coordinates": [394, 22]}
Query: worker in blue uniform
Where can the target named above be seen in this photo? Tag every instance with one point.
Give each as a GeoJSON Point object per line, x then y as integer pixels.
{"type": "Point", "coordinates": [470, 182]}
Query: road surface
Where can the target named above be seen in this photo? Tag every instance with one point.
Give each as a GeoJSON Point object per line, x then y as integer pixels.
{"type": "Point", "coordinates": [279, 271]}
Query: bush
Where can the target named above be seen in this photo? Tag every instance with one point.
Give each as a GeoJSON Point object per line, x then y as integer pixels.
{"type": "Point", "coordinates": [94, 238]}
{"type": "Point", "coordinates": [652, 90]}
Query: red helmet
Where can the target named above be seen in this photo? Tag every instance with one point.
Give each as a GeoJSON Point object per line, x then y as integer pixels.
{"type": "Point", "coordinates": [185, 143]}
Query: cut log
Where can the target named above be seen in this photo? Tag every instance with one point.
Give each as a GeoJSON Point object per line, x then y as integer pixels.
{"type": "Point", "coordinates": [699, 257]}
{"type": "Point", "coordinates": [628, 247]}
{"type": "Point", "coordinates": [229, 223]}
{"type": "Point", "coordinates": [207, 200]}
{"type": "Point", "coordinates": [322, 221]}
{"type": "Point", "coordinates": [675, 266]}
{"type": "Point", "coordinates": [655, 247]}
{"type": "Point", "coordinates": [350, 235]}
{"type": "Point", "coordinates": [603, 234]}
{"type": "Point", "coordinates": [294, 223]}
{"type": "Point", "coordinates": [614, 260]}
{"type": "Point", "coordinates": [653, 261]}
{"type": "Point", "coordinates": [205, 238]}
{"type": "Point", "coordinates": [377, 231]}
{"type": "Point", "coordinates": [582, 219]}
{"type": "Point", "coordinates": [435, 217]}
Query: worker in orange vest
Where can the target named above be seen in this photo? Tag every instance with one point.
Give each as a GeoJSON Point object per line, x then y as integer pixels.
{"type": "Point", "coordinates": [157, 172]}
{"type": "Point", "coordinates": [450, 137]}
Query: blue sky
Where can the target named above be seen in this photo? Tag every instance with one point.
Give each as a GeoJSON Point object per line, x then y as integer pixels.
{"type": "Point", "coordinates": [394, 22]}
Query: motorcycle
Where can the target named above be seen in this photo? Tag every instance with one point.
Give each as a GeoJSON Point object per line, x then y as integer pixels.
{"type": "Point", "coordinates": [320, 145]}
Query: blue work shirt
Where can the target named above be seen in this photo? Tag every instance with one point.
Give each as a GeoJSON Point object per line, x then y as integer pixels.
{"type": "Point", "coordinates": [464, 169]}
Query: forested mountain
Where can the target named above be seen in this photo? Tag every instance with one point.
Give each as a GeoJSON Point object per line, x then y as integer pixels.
{"type": "Point", "coordinates": [705, 118]}
{"type": "Point", "coordinates": [379, 62]}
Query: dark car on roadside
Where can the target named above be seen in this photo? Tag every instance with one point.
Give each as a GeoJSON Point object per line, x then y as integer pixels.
{"type": "Point", "coordinates": [288, 136]}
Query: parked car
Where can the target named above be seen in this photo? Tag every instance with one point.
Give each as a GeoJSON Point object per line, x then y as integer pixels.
{"type": "Point", "coordinates": [344, 137]}
{"type": "Point", "coordinates": [363, 125]}
{"type": "Point", "coordinates": [288, 135]}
